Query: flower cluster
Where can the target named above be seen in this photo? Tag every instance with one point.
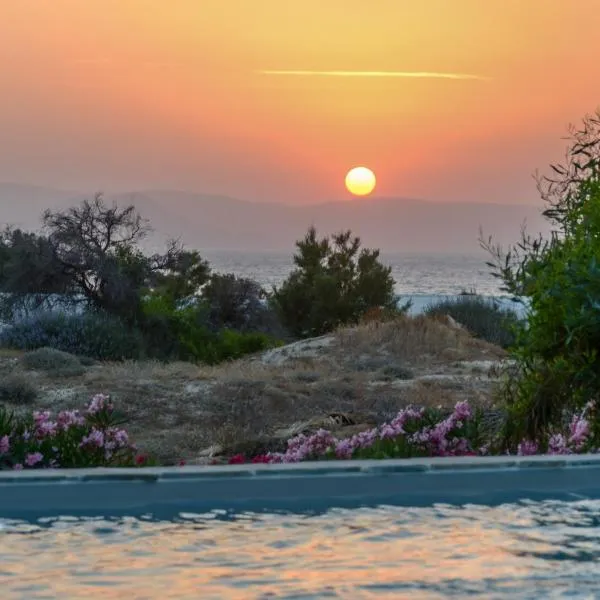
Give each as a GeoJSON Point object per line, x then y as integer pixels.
{"type": "Point", "coordinates": [577, 439]}
{"type": "Point", "coordinates": [417, 432]}
{"type": "Point", "coordinates": [72, 439]}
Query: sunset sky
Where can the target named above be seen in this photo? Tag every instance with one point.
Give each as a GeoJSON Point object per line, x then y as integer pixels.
{"type": "Point", "coordinates": [275, 100]}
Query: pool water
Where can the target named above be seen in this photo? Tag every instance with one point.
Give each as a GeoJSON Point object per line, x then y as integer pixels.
{"type": "Point", "coordinates": [520, 550]}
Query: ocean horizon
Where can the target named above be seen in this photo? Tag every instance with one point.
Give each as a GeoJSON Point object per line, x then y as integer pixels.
{"type": "Point", "coordinates": [414, 273]}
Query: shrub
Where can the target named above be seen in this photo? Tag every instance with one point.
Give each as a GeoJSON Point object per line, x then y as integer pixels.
{"type": "Point", "coordinates": [183, 334]}
{"type": "Point", "coordinates": [57, 362]}
{"type": "Point", "coordinates": [558, 352]}
{"type": "Point", "coordinates": [90, 334]}
{"type": "Point", "coordinates": [16, 389]}
{"type": "Point", "coordinates": [94, 438]}
{"type": "Point", "coordinates": [483, 318]}
{"type": "Point", "coordinates": [240, 304]}
{"type": "Point", "coordinates": [334, 283]}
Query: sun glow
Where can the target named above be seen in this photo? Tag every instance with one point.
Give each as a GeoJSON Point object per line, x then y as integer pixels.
{"type": "Point", "coordinates": [360, 181]}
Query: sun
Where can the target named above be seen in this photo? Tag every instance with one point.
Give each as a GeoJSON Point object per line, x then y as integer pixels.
{"type": "Point", "coordinates": [360, 181]}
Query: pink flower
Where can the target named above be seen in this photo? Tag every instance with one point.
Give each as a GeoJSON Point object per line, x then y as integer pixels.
{"type": "Point", "coordinates": [4, 444]}
{"type": "Point", "coordinates": [344, 449]}
{"type": "Point", "coordinates": [99, 403]}
{"type": "Point", "coordinates": [527, 448]}
{"type": "Point", "coordinates": [557, 444]}
{"type": "Point", "coordinates": [462, 411]}
{"type": "Point", "coordinates": [68, 418]}
{"type": "Point", "coordinates": [18, 467]}
{"type": "Point", "coordinates": [579, 430]}
{"type": "Point", "coordinates": [95, 438]}
{"type": "Point", "coordinates": [33, 459]}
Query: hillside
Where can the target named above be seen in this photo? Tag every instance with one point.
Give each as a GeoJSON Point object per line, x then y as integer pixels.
{"type": "Point", "coordinates": [220, 222]}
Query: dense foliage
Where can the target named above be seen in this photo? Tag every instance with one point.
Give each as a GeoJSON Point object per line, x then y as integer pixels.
{"type": "Point", "coordinates": [335, 283]}
{"type": "Point", "coordinates": [558, 352]}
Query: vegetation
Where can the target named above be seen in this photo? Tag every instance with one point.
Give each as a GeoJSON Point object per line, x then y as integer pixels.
{"type": "Point", "coordinates": [94, 438]}
{"type": "Point", "coordinates": [17, 389]}
{"type": "Point", "coordinates": [91, 334]}
{"type": "Point", "coordinates": [558, 352]}
{"type": "Point", "coordinates": [90, 255]}
{"type": "Point", "coordinates": [50, 359]}
{"type": "Point", "coordinates": [483, 318]}
{"type": "Point", "coordinates": [335, 283]}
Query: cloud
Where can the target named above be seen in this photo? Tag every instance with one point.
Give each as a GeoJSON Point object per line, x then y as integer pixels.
{"type": "Point", "coordinates": [390, 74]}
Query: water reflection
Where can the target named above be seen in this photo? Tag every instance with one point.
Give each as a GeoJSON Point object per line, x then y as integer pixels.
{"type": "Point", "coordinates": [526, 550]}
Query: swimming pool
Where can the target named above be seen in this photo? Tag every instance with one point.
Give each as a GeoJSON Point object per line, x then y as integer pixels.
{"type": "Point", "coordinates": [520, 550]}
{"type": "Point", "coordinates": [431, 529]}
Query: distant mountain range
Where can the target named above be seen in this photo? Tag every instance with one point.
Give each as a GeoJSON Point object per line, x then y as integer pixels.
{"type": "Point", "coordinates": [219, 222]}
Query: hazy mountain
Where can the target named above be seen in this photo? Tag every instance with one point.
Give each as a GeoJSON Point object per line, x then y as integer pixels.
{"type": "Point", "coordinates": [220, 222]}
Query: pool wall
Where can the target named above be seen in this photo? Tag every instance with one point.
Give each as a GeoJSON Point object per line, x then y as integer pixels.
{"type": "Point", "coordinates": [307, 486]}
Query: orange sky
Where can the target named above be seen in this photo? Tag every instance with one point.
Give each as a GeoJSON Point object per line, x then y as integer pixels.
{"type": "Point", "coordinates": [123, 94]}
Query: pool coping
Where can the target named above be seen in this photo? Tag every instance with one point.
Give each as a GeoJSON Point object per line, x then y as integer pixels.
{"type": "Point", "coordinates": [165, 492]}
{"type": "Point", "coordinates": [316, 468]}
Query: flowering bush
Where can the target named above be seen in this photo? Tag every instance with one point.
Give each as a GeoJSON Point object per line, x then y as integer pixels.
{"type": "Point", "coordinates": [426, 432]}
{"type": "Point", "coordinates": [93, 438]}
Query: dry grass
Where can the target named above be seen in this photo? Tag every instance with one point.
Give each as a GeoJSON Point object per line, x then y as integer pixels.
{"type": "Point", "coordinates": [419, 342]}
{"type": "Point", "coordinates": [178, 409]}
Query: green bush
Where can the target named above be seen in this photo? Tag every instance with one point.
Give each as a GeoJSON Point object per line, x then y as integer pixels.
{"type": "Point", "coordinates": [483, 318]}
{"type": "Point", "coordinates": [56, 362]}
{"type": "Point", "coordinates": [94, 335]}
{"type": "Point", "coordinates": [335, 283]}
{"type": "Point", "coordinates": [558, 352]}
{"type": "Point", "coordinates": [183, 334]}
{"type": "Point", "coordinates": [16, 389]}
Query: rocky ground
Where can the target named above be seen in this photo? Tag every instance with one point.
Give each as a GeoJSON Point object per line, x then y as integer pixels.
{"type": "Point", "coordinates": [345, 382]}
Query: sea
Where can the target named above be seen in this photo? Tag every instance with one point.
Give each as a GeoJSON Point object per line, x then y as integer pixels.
{"type": "Point", "coordinates": [423, 279]}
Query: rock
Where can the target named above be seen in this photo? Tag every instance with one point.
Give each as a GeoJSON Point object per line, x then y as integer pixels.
{"type": "Point", "coordinates": [311, 348]}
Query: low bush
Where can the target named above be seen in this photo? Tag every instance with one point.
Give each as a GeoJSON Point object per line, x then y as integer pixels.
{"type": "Point", "coordinates": [483, 318]}
{"type": "Point", "coordinates": [16, 389]}
{"type": "Point", "coordinates": [93, 438]}
{"type": "Point", "coordinates": [54, 361]}
{"type": "Point", "coordinates": [93, 335]}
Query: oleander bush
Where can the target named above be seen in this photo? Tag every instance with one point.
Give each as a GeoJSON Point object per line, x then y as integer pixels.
{"type": "Point", "coordinates": [72, 439]}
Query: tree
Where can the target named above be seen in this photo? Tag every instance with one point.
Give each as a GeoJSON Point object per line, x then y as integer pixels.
{"type": "Point", "coordinates": [92, 251]}
{"type": "Point", "coordinates": [334, 283]}
{"type": "Point", "coordinates": [558, 352]}
{"type": "Point", "coordinates": [28, 270]}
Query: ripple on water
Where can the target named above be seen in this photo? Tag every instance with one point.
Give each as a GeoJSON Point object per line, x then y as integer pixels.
{"type": "Point", "coordinates": [522, 550]}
